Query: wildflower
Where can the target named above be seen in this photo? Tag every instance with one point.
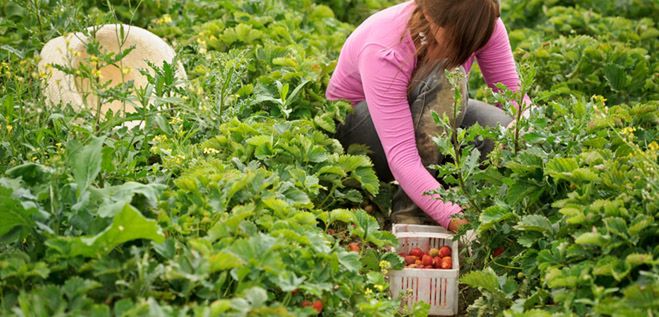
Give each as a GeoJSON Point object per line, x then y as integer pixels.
{"type": "Point", "coordinates": [97, 73]}
{"type": "Point", "coordinates": [384, 264]}
{"type": "Point", "coordinates": [175, 121]}
{"type": "Point", "coordinates": [125, 70]}
{"type": "Point", "coordinates": [599, 100]}
{"type": "Point", "coordinates": [368, 292]}
{"type": "Point", "coordinates": [209, 150]}
{"type": "Point", "coordinates": [159, 138]}
{"type": "Point", "coordinates": [654, 147]}
{"type": "Point", "coordinates": [628, 132]}
{"type": "Point", "coordinates": [379, 287]}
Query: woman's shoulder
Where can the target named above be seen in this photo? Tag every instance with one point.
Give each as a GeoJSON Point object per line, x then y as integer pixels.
{"type": "Point", "coordinates": [386, 29]}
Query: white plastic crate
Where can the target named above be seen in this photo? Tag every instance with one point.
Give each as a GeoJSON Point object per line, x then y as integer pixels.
{"type": "Point", "coordinates": [437, 287]}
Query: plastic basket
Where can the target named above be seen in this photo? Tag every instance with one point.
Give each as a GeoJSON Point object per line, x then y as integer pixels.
{"type": "Point", "coordinates": [437, 287]}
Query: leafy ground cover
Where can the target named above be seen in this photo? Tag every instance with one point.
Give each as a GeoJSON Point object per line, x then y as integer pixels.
{"type": "Point", "coordinates": [235, 200]}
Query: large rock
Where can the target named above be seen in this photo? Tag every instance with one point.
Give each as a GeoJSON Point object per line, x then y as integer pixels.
{"type": "Point", "coordinates": [70, 51]}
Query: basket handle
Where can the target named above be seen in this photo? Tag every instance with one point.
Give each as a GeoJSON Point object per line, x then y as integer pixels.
{"type": "Point", "coordinates": [424, 235]}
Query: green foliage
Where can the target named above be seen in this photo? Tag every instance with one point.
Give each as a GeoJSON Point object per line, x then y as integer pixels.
{"type": "Point", "coordinates": [219, 205]}
{"type": "Point", "coordinates": [235, 200]}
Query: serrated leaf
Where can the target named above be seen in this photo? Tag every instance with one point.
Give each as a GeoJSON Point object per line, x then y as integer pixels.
{"type": "Point", "coordinates": [537, 223]}
{"type": "Point", "coordinates": [592, 238]}
{"type": "Point", "coordinates": [484, 280]}
{"type": "Point", "coordinates": [368, 180]}
{"type": "Point", "coordinates": [636, 259]}
{"type": "Point", "coordinates": [224, 261]}
{"type": "Point", "coordinates": [492, 216]}
{"type": "Point", "coordinates": [349, 260]}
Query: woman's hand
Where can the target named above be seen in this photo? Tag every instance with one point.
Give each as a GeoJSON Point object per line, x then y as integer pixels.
{"type": "Point", "coordinates": [456, 223]}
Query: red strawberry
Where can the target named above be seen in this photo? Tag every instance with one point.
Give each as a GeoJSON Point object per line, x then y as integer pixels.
{"type": "Point", "coordinates": [426, 260]}
{"type": "Point", "coordinates": [444, 251]}
{"type": "Point", "coordinates": [416, 252]}
{"type": "Point", "coordinates": [410, 259]}
{"type": "Point", "coordinates": [317, 305]}
{"type": "Point", "coordinates": [447, 263]}
{"type": "Point", "coordinates": [437, 262]}
{"type": "Point", "coordinates": [354, 246]}
{"type": "Point", "coordinates": [498, 251]}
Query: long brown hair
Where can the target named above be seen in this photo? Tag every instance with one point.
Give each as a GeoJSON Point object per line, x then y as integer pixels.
{"type": "Point", "coordinates": [467, 26]}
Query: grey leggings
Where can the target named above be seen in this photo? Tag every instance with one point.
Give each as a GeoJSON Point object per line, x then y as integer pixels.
{"type": "Point", "coordinates": [430, 94]}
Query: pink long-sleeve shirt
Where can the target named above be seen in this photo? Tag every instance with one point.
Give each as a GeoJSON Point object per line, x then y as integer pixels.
{"type": "Point", "coordinates": [376, 65]}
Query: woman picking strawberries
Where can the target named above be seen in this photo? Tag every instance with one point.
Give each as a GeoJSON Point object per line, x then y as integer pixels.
{"type": "Point", "coordinates": [392, 69]}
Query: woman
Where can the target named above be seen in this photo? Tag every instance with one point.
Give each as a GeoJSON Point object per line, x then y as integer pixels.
{"type": "Point", "coordinates": [391, 69]}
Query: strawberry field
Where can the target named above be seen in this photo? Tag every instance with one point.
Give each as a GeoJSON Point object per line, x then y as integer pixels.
{"type": "Point", "coordinates": [235, 199]}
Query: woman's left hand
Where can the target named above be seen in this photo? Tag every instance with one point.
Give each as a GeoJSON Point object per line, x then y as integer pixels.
{"type": "Point", "coordinates": [456, 223]}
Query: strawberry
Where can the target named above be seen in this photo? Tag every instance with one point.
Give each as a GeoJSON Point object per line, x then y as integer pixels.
{"type": "Point", "coordinates": [498, 251]}
{"type": "Point", "coordinates": [437, 262]}
{"type": "Point", "coordinates": [426, 260]}
{"type": "Point", "coordinates": [444, 251]}
{"type": "Point", "coordinates": [447, 263]}
{"type": "Point", "coordinates": [410, 259]}
{"type": "Point", "coordinates": [354, 246]}
{"type": "Point", "coordinates": [416, 252]}
{"type": "Point", "coordinates": [317, 305]}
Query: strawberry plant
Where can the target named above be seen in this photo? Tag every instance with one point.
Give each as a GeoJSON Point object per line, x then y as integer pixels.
{"type": "Point", "coordinates": [234, 199]}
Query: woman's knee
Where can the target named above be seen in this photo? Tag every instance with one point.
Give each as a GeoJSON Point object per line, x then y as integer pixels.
{"type": "Point", "coordinates": [485, 115]}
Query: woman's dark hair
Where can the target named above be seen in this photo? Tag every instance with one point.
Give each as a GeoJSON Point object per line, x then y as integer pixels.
{"type": "Point", "coordinates": [467, 26]}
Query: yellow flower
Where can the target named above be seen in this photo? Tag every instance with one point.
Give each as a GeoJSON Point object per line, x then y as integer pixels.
{"type": "Point", "coordinates": [379, 287]}
{"type": "Point", "coordinates": [628, 131]}
{"type": "Point", "coordinates": [385, 265]}
{"type": "Point", "coordinates": [368, 292]}
{"type": "Point", "coordinates": [159, 138]}
{"type": "Point", "coordinates": [175, 121]}
{"type": "Point", "coordinates": [209, 150]}
{"type": "Point", "coordinates": [654, 147]}
{"type": "Point", "coordinates": [599, 99]}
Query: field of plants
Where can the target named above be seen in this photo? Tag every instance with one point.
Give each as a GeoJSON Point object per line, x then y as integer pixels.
{"type": "Point", "coordinates": [236, 200]}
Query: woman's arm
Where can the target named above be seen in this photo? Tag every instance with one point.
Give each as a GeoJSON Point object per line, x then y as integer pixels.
{"type": "Point", "coordinates": [385, 86]}
{"type": "Point", "coordinates": [497, 63]}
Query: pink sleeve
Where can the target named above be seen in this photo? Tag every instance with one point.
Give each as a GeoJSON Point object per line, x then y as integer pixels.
{"type": "Point", "coordinates": [385, 87]}
{"type": "Point", "coordinates": [496, 61]}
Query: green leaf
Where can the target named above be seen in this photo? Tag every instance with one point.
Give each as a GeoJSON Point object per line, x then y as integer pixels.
{"type": "Point", "coordinates": [593, 238]}
{"type": "Point", "coordinates": [113, 199]}
{"type": "Point", "coordinates": [349, 260]}
{"type": "Point", "coordinates": [127, 225]}
{"type": "Point", "coordinates": [343, 215]}
{"type": "Point", "coordinates": [222, 261]}
{"type": "Point", "coordinates": [85, 161]}
{"type": "Point", "coordinates": [636, 259]}
{"type": "Point", "coordinates": [616, 76]}
{"type": "Point", "coordinates": [493, 215]}
{"type": "Point", "coordinates": [366, 224]}
{"type": "Point", "coordinates": [617, 226]}
{"type": "Point", "coordinates": [560, 167]}
{"type": "Point", "coordinates": [13, 212]}
{"type": "Point", "coordinates": [326, 122]}
{"type": "Point", "coordinates": [367, 178]}
{"type": "Point", "coordinates": [31, 173]}
{"type": "Point", "coordinates": [484, 280]}
{"type": "Point", "coordinates": [537, 223]}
